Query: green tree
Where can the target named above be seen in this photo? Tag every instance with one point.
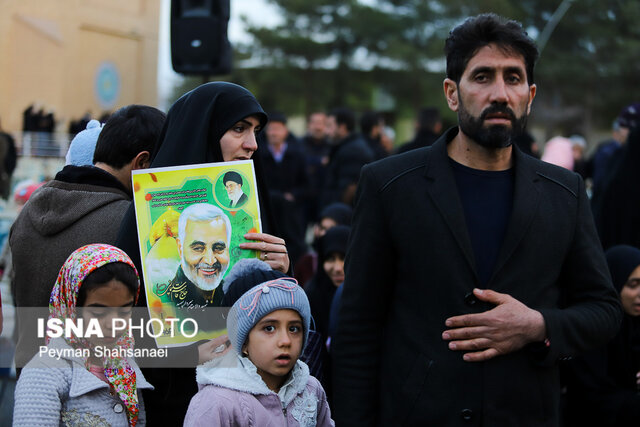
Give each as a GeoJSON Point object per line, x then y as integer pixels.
{"type": "Point", "coordinates": [313, 36]}
{"type": "Point", "coordinates": [325, 53]}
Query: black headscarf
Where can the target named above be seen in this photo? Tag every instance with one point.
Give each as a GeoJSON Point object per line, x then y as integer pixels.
{"type": "Point", "coordinates": [201, 117]}
{"type": "Point", "coordinates": [622, 260]}
{"type": "Point", "coordinates": [335, 240]}
{"type": "Point", "coordinates": [339, 212]}
{"type": "Point", "coordinates": [320, 288]}
{"type": "Point", "coordinates": [623, 352]}
{"type": "Point", "coordinates": [601, 384]}
{"type": "Point", "coordinates": [191, 135]}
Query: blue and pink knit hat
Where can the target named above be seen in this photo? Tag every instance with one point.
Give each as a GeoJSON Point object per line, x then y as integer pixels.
{"type": "Point", "coordinates": [267, 297]}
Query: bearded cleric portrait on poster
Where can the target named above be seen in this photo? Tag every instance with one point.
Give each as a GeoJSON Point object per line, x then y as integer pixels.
{"type": "Point", "coordinates": [191, 221]}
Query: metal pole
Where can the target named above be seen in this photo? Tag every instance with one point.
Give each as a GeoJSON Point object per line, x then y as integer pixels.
{"type": "Point", "coordinates": [544, 36]}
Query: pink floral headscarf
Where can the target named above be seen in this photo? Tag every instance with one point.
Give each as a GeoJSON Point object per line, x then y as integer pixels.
{"type": "Point", "coordinates": [62, 305]}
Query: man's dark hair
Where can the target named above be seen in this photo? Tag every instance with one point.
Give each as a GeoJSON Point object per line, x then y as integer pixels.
{"type": "Point", "coordinates": [476, 32]}
{"type": "Point", "coordinates": [129, 131]}
{"type": "Point", "coordinates": [314, 113]}
{"type": "Point", "coordinates": [232, 176]}
{"type": "Point", "coordinates": [368, 121]}
{"type": "Point", "coordinates": [279, 117]}
{"type": "Point", "coordinates": [428, 118]}
{"type": "Point", "coordinates": [344, 116]}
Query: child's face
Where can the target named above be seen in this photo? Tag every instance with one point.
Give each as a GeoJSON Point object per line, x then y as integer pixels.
{"type": "Point", "coordinates": [274, 345]}
{"type": "Point", "coordinates": [111, 300]}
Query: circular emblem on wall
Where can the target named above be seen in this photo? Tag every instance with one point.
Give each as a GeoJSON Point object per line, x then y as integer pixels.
{"type": "Point", "coordinates": [107, 85]}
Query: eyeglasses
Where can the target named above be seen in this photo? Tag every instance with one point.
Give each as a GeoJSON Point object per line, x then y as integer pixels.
{"type": "Point", "coordinates": [633, 283]}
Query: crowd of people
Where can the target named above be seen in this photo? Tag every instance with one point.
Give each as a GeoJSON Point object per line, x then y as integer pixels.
{"type": "Point", "coordinates": [458, 280]}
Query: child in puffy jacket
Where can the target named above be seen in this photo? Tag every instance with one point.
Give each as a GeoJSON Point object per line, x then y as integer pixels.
{"type": "Point", "coordinates": [262, 382]}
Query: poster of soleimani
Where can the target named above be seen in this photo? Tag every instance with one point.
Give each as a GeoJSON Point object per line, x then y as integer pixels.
{"type": "Point", "coordinates": [191, 221]}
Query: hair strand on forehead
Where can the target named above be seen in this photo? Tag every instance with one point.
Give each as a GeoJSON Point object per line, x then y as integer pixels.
{"type": "Point", "coordinates": [468, 38]}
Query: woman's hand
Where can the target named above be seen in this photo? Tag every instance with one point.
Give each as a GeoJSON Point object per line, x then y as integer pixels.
{"type": "Point", "coordinates": [272, 250]}
{"type": "Point", "coordinates": [213, 348]}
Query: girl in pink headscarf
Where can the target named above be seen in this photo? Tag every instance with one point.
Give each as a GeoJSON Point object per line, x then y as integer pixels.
{"type": "Point", "coordinates": [73, 380]}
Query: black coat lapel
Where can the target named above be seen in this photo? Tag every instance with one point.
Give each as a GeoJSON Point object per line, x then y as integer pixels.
{"type": "Point", "coordinates": [526, 198]}
{"type": "Point", "coordinates": [443, 190]}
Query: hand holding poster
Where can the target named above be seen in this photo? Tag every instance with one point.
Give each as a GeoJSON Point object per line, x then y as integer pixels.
{"type": "Point", "coordinates": [191, 221]}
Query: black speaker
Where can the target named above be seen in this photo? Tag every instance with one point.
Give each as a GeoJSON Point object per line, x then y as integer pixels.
{"type": "Point", "coordinates": [199, 43]}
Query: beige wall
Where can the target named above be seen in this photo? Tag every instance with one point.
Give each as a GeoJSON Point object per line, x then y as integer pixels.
{"type": "Point", "coordinates": [51, 50]}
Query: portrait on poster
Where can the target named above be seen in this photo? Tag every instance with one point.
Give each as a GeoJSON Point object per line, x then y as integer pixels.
{"type": "Point", "coordinates": [191, 221]}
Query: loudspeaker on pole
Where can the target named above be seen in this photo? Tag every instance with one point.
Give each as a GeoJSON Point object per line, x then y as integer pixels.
{"type": "Point", "coordinates": [199, 43]}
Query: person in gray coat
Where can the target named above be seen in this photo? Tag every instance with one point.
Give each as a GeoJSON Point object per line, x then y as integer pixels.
{"type": "Point", "coordinates": [81, 205]}
{"type": "Point", "coordinates": [84, 379]}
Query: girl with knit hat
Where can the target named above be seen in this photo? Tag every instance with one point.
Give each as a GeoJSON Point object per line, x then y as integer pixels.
{"type": "Point", "coordinates": [266, 384]}
{"type": "Point", "coordinates": [77, 382]}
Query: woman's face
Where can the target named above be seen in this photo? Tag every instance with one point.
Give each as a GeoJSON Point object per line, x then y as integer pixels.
{"type": "Point", "coordinates": [630, 294]}
{"type": "Point", "coordinates": [334, 267]}
{"type": "Point", "coordinates": [239, 141]}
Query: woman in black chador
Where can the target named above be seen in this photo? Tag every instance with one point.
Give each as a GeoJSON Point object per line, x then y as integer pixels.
{"type": "Point", "coordinates": [215, 122]}
{"type": "Point", "coordinates": [602, 385]}
{"type": "Point", "coordinates": [616, 208]}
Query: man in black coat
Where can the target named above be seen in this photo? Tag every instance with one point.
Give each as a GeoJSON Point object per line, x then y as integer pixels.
{"type": "Point", "coordinates": [315, 146]}
{"type": "Point", "coordinates": [428, 129]}
{"type": "Point", "coordinates": [372, 127]}
{"type": "Point", "coordinates": [346, 158]}
{"type": "Point", "coordinates": [472, 268]}
{"type": "Point", "coordinates": [287, 181]}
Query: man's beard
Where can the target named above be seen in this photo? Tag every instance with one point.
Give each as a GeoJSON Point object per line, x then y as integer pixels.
{"type": "Point", "coordinates": [494, 136]}
{"type": "Point", "coordinates": [204, 284]}
{"type": "Point", "coordinates": [235, 195]}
